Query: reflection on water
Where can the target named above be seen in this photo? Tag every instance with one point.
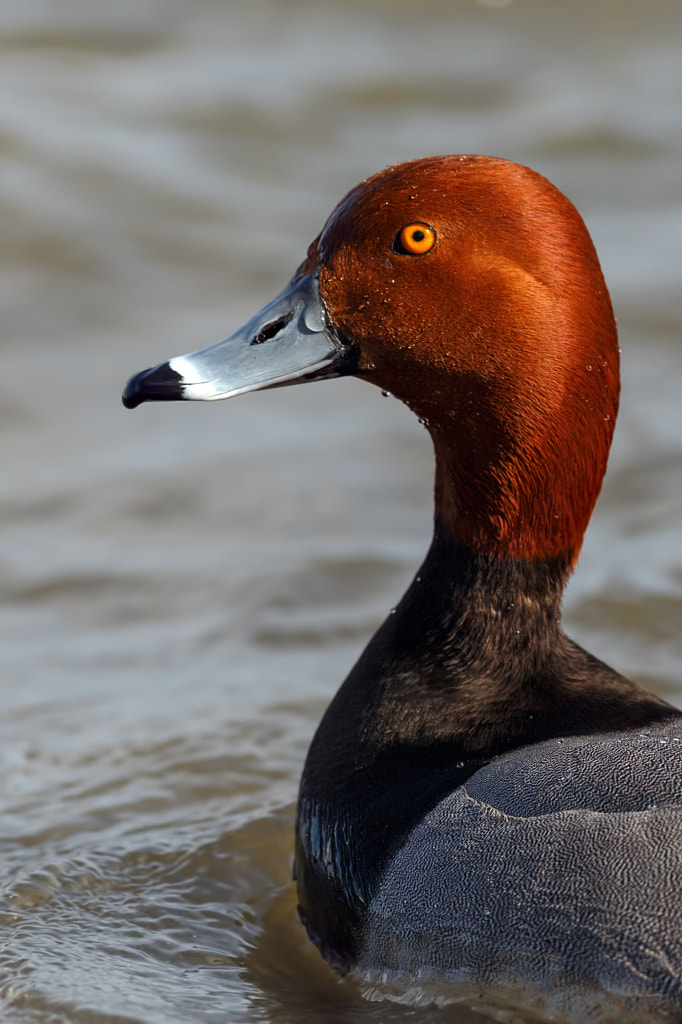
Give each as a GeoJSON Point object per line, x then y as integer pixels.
{"type": "Point", "coordinates": [183, 588]}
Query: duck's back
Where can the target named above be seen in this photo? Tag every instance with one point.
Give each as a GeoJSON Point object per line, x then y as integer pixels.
{"type": "Point", "coordinates": [556, 864]}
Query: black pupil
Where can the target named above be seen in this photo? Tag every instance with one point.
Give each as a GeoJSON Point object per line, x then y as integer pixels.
{"type": "Point", "coordinates": [418, 235]}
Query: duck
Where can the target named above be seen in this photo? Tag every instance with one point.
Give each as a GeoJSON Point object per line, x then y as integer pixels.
{"type": "Point", "coordinates": [485, 805]}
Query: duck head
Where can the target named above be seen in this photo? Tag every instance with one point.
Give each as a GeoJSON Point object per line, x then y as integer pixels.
{"type": "Point", "coordinates": [469, 288]}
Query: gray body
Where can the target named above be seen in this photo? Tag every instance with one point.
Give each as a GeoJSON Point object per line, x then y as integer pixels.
{"type": "Point", "coordinates": [556, 867]}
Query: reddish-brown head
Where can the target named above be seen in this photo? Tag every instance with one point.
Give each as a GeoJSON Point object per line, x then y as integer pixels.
{"type": "Point", "coordinates": [497, 331]}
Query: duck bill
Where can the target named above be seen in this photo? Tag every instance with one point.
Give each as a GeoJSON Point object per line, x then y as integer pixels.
{"type": "Point", "coordinates": [290, 341]}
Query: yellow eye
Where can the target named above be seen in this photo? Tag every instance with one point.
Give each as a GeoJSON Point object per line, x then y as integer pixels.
{"type": "Point", "coordinates": [415, 240]}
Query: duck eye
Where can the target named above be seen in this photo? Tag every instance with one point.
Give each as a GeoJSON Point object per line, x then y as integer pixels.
{"type": "Point", "coordinates": [414, 240]}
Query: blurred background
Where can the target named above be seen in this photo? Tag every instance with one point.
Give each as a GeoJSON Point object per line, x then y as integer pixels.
{"type": "Point", "coordinates": [183, 588]}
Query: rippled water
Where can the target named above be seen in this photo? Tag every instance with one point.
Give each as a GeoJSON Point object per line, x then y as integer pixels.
{"type": "Point", "coordinates": [183, 588]}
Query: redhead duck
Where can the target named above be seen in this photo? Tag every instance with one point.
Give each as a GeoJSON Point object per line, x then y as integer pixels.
{"type": "Point", "coordinates": [484, 802]}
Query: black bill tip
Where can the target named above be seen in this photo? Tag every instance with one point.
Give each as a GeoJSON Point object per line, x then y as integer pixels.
{"type": "Point", "coordinates": [159, 384]}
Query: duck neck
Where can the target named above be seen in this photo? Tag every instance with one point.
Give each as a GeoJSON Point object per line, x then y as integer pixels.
{"type": "Point", "coordinates": [470, 664]}
{"type": "Point", "coordinates": [513, 492]}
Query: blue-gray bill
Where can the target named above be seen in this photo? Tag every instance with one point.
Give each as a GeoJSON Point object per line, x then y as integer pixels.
{"type": "Point", "coordinates": [290, 341]}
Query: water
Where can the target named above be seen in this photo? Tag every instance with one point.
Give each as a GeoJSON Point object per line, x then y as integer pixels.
{"type": "Point", "coordinates": [183, 588]}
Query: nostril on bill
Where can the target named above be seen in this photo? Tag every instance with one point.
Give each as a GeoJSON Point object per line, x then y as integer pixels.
{"type": "Point", "coordinates": [270, 330]}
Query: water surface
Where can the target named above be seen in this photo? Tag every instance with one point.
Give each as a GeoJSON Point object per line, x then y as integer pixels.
{"type": "Point", "coordinates": [184, 588]}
